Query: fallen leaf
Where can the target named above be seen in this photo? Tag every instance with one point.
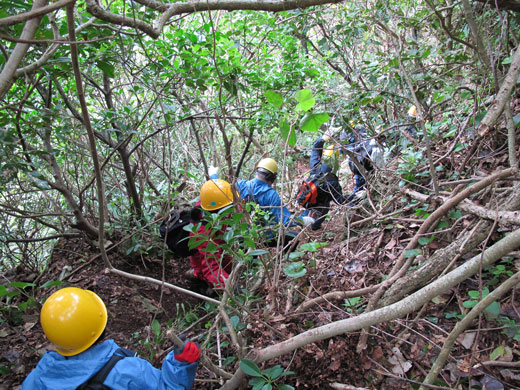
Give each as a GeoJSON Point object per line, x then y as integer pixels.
{"type": "Point", "coordinates": [335, 365]}
{"type": "Point", "coordinates": [510, 375]}
{"type": "Point", "coordinates": [467, 339]}
{"type": "Point", "coordinates": [390, 244]}
{"type": "Point", "coordinates": [377, 353]}
{"type": "Point", "coordinates": [400, 365]}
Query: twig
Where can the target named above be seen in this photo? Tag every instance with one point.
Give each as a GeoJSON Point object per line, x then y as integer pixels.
{"type": "Point", "coordinates": [464, 323]}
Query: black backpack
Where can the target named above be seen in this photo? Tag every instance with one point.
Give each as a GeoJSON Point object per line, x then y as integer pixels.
{"type": "Point", "coordinates": [96, 382]}
{"type": "Point", "coordinates": [309, 190]}
{"type": "Point", "coordinates": [172, 231]}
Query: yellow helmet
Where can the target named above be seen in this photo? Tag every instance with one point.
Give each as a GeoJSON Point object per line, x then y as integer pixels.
{"type": "Point", "coordinates": [412, 111]}
{"type": "Point", "coordinates": [330, 151]}
{"type": "Point", "coordinates": [73, 319]}
{"type": "Point", "coordinates": [215, 194]}
{"type": "Point", "coordinates": [269, 164]}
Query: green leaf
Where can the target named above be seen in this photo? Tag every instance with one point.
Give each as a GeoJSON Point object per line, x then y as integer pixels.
{"type": "Point", "coordinates": [411, 253]}
{"type": "Point", "coordinates": [51, 283]}
{"type": "Point", "coordinates": [21, 285]}
{"type": "Point", "coordinates": [497, 352]}
{"type": "Point", "coordinates": [469, 304]}
{"type": "Point", "coordinates": [287, 133]}
{"type": "Point", "coordinates": [312, 246]}
{"type": "Point", "coordinates": [425, 240]}
{"type": "Point", "coordinates": [267, 386]}
{"type": "Point", "coordinates": [455, 214]}
{"type": "Point", "coordinates": [250, 368]}
{"type": "Point", "coordinates": [106, 67]}
{"type": "Point", "coordinates": [257, 383]}
{"type": "Point", "coordinates": [258, 252]}
{"type": "Point", "coordinates": [285, 387]}
{"type": "Point", "coordinates": [295, 255]}
{"type": "Point", "coordinates": [442, 225]}
{"type": "Point", "coordinates": [312, 122]}
{"type": "Point", "coordinates": [295, 270]}
{"type": "Point", "coordinates": [493, 308]}
{"type": "Point", "coordinates": [305, 100]}
{"type": "Point", "coordinates": [274, 372]}
{"type": "Point", "coordinates": [156, 327]}
{"type": "Point", "coordinates": [234, 320]}
{"type": "Point", "coordinates": [4, 370]}
{"type": "Point", "coordinates": [3, 290]}
{"type": "Point", "coordinates": [274, 98]}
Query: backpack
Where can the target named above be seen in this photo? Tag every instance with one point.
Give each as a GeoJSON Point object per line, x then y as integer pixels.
{"type": "Point", "coordinates": [172, 230]}
{"type": "Point", "coordinates": [308, 191]}
{"type": "Point", "coordinates": [96, 382]}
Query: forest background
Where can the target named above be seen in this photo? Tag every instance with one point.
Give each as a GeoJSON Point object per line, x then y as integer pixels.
{"type": "Point", "coordinates": [111, 114]}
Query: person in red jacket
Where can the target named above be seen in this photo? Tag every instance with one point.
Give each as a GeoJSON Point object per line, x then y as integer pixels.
{"type": "Point", "coordinates": [210, 263]}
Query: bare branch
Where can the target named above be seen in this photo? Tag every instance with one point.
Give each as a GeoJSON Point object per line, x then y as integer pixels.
{"type": "Point", "coordinates": [17, 55]}
{"type": "Point", "coordinates": [35, 12]}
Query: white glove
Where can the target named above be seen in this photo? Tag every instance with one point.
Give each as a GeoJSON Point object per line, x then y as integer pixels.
{"type": "Point", "coordinates": [307, 221]}
{"type": "Point", "coordinates": [330, 133]}
{"type": "Point", "coordinates": [212, 171]}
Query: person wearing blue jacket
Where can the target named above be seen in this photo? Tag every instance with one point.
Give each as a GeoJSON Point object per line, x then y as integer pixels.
{"type": "Point", "coordinates": [73, 319]}
{"type": "Point", "coordinates": [260, 190]}
{"type": "Point", "coordinates": [324, 164]}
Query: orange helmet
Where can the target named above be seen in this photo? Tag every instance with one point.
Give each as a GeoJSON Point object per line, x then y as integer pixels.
{"type": "Point", "coordinates": [73, 319]}
{"type": "Point", "coordinates": [215, 194]}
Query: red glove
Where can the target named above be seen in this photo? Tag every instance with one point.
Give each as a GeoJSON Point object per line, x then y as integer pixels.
{"type": "Point", "coordinates": [188, 353]}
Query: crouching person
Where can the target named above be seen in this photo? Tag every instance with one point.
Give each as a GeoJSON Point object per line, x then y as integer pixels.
{"type": "Point", "coordinates": [211, 266]}
{"type": "Point", "coordinates": [74, 319]}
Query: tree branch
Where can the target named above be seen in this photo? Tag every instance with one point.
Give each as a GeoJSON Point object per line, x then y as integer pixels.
{"type": "Point", "coordinates": [397, 310]}
{"type": "Point", "coordinates": [35, 12]}
{"type": "Point", "coordinates": [17, 55]}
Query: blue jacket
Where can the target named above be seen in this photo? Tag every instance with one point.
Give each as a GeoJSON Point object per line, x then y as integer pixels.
{"type": "Point", "coordinates": [57, 372]}
{"type": "Point", "coordinates": [256, 190]}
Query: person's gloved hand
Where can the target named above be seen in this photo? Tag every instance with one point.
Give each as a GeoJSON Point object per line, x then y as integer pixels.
{"type": "Point", "coordinates": [329, 133]}
{"type": "Point", "coordinates": [187, 353]}
{"type": "Point", "coordinates": [212, 171]}
{"type": "Point", "coordinates": [307, 221]}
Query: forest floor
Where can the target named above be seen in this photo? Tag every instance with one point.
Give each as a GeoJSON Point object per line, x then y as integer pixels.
{"type": "Point", "coordinates": [398, 352]}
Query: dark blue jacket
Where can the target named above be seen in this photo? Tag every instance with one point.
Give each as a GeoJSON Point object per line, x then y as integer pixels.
{"type": "Point", "coordinates": [331, 188]}
{"type": "Point", "coordinates": [57, 372]}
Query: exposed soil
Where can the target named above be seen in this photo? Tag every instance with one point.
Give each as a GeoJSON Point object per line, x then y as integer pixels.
{"type": "Point", "coordinates": [393, 348]}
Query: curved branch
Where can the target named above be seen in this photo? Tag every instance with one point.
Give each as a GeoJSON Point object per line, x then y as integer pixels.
{"type": "Point", "coordinates": [198, 6]}
{"type": "Point", "coordinates": [502, 96]}
{"type": "Point", "coordinates": [464, 323]}
{"type": "Point", "coordinates": [34, 13]}
{"type": "Point", "coordinates": [49, 52]}
{"type": "Point", "coordinates": [7, 75]}
{"type": "Point", "coordinates": [407, 305]}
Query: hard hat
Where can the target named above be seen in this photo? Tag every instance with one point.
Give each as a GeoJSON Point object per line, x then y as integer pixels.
{"type": "Point", "coordinates": [412, 111]}
{"type": "Point", "coordinates": [215, 194]}
{"type": "Point", "coordinates": [330, 151]}
{"type": "Point", "coordinates": [269, 164]}
{"type": "Point", "coordinates": [73, 319]}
